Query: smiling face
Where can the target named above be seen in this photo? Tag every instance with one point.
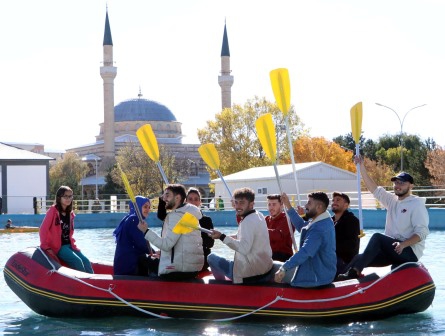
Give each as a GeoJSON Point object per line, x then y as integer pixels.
{"type": "Point", "coordinates": [275, 207]}
{"type": "Point", "coordinates": [312, 208]}
{"type": "Point", "coordinates": [339, 204]}
{"type": "Point", "coordinates": [145, 209]}
{"type": "Point", "coordinates": [193, 198]}
{"type": "Point", "coordinates": [402, 189]}
{"type": "Point", "coordinates": [243, 206]}
{"type": "Point", "coordinates": [171, 200]}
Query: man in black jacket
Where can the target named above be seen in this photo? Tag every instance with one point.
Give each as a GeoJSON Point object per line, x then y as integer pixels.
{"type": "Point", "coordinates": [347, 230]}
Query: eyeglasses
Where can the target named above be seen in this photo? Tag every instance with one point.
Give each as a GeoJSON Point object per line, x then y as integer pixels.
{"type": "Point", "coordinates": [67, 196]}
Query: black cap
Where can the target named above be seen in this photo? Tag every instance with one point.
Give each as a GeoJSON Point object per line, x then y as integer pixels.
{"type": "Point", "coordinates": [405, 177]}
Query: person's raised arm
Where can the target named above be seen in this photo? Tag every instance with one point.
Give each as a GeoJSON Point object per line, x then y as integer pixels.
{"type": "Point", "coordinates": [369, 182]}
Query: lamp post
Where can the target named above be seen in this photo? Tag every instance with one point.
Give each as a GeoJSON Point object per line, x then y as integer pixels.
{"type": "Point", "coordinates": [401, 121]}
{"type": "Point", "coordinates": [95, 158]}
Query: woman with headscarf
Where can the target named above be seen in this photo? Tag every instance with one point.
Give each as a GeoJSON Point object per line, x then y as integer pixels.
{"type": "Point", "coordinates": [130, 257]}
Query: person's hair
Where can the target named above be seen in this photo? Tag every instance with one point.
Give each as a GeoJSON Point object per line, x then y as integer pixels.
{"type": "Point", "coordinates": [321, 197]}
{"type": "Point", "coordinates": [58, 202]}
{"type": "Point", "coordinates": [193, 190]}
{"type": "Point", "coordinates": [342, 195]}
{"type": "Point", "coordinates": [245, 192]}
{"type": "Point", "coordinates": [177, 189]}
{"type": "Point", "coordinates": [274, 197]}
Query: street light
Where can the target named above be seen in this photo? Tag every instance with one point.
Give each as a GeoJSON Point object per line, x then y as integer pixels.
{"type": "Point", "coordinates": [401, 121]}
{"type": "Point", "coordinates": [93, 157]}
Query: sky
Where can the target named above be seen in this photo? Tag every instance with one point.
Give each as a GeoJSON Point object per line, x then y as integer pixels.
{"type": "Point", "coordinates": [338, 53]}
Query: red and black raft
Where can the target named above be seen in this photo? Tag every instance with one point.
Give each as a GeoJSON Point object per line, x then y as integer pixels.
{"type": "Point", "coordinates": [57, 291]}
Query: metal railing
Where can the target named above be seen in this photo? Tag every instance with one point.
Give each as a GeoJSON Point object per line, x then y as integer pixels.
{"type": "Point", "coordinates": [435, 198]}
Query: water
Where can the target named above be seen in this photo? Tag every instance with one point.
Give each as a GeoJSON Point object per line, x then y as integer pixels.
{"type": "Point", "coordinates": [17, 319]}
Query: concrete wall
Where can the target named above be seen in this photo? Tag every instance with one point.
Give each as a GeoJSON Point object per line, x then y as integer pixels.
{"type": "Point", "coordinates": [372, 219]}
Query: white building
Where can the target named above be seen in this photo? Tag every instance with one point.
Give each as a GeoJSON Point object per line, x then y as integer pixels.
{"type": "Point", "coordinates": [311, 176]}
{"type": "Point", "coordinates": [23, 176]}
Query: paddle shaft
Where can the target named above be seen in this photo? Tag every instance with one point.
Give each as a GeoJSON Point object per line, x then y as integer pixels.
{"type": "Point", "coordinates": [225, 184]}
{"type": "Point", "coordinates": [164, 177]}
{"type": "Point", "coordinates": [359, 191]}
{"type": "Point", "coordinates": [291, 232]}
{"type": "Point", "coordinates": [291, 150]}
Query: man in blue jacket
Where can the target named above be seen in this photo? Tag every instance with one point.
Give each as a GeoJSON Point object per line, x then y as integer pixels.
{"type": "Point", "coordinates": [315, 264]}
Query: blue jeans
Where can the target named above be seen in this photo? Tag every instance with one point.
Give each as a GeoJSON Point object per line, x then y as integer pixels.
{"type": "Point", "coordinates": [220, 267]}
{"type": "Point", "coordinates": [380, 252]}
{"type": "Point", "coordinates": [75, 259]}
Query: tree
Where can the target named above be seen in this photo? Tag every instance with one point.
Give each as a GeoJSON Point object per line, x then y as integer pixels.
{"type": "Point", "coordinates": [67, 171]}
{"type": "Point", "coordinates": [143, 174]}
{"type": "Point", "coordinates": [435, 163]}
{"type": "Point", "coordinates": [234, 135]}
{"type": "Point", "coordinates": [307, 149]}
{"type": "Point", "coordinates": [367, 146]}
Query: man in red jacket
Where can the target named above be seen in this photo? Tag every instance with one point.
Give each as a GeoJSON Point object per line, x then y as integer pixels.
{"type": "Point", "coordinates": [279, 235]}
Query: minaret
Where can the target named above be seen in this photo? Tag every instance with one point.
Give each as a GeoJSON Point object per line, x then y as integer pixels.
{"type": "Point", "coordinates": [108, 73]}
{"type": "Point", "coordinates": [225, 80]}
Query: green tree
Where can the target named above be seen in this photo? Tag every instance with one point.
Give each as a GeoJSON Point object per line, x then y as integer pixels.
{"type": "Point", "coordinates": [143, 174]}
{"type": "Point", "coordinates": [67, 171]}
{"type": "Point", "coordinates": [234, 135]}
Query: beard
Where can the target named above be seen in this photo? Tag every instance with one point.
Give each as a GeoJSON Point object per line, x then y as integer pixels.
{"type": "Point", "coordinates": [401, 193]}
{"type": "Point", "coordinates": [310, 214]}
{"type": "Point", "coordinates": [170, 204]}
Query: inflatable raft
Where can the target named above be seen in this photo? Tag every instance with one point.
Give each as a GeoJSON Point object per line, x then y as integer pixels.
{"type": "Point", "coordinates": [53, 290]}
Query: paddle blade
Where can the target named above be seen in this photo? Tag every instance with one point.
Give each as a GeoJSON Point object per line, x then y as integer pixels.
{"type": "Point", "coordinates": [279, 79]}
{"type": "Point", "coordinates": [127, 185]}
{"type": "Point", "coordinates": [356, 121]}
{"type": "Point", "coordinates": [186, 224]}
{"type": "Point", "coordinates": [148, 141]}
{"type": "Point", "coordinates": [266, 134]}
{"type": "Point", "coordinates": [210, 155]}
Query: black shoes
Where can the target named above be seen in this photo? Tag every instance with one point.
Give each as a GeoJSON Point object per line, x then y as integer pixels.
{"type": "Point", "coordinates": [350, 274]}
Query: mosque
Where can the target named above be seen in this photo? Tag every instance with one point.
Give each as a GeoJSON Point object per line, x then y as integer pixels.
{"type": "Point", "coordinates": [122, 121]}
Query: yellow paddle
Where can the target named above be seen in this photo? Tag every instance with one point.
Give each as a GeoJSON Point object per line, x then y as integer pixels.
{"type": "Point", "coordinates": [210, 156]}
{"type": "Point", "coordinates": [279, 79]}
{"type": "Point", "coordinates": [356, 125]}
{"type": "Point", "coordinates": [187, 224]}
{"type": "Point", "coordinates": [266, 134]}
{"type": "Point", "coordinates": [149, 143]}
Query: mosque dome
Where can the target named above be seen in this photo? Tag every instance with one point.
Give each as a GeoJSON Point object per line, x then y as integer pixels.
{"type": "Point", "coordinates": [142, 110]}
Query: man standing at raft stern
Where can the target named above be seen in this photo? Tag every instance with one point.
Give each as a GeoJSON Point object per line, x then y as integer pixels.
{"type": "Point", "coordinates": [253, 255]}
{"type": "Point", "coordinates": [406, 226]}
{"type": "Point", "coordinates": [315, 262]}
{"type": "Point", "coordinates": [182, 256]}
{"type": "Point", "coordinates": [347, 230]}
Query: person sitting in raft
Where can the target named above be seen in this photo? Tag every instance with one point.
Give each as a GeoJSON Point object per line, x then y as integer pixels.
{"type": "Point", "coordinates": [194, 197]}
{"type": "Point", "coordinates": [130, 257]}
{"type": "Point", "coordinates": [253, 254]}
{"type": "Point", "coordinates": [315, 264]}
{"type": "Point", "coordinates": [182, 256]}
{"type": "Point", "coordinates": [279, 233]}
{"type": "Point", "coordinates": [57, 229]}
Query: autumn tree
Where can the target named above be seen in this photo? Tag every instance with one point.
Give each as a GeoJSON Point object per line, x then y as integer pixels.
{"type": "Point", "coordinates": [234, 135]}
{"type": "Point", "coordinates": [67, 171]}
{"type": "Point", "coordinates": [435, 163]}
{"type": "Point", "coordinates": [307, 149]}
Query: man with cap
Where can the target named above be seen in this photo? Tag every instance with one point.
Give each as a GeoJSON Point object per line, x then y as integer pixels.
{"type": "Point", "coordinates": [406, 226]}
{"type": "Point", "coordinates": [347, 230]}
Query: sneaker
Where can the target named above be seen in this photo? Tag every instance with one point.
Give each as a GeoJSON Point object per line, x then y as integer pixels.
{"type": "Point", "coordinates": [350, 274]}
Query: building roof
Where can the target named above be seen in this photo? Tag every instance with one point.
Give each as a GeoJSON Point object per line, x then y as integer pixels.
{"type": "Point", "coordinates": [142, 110]}
{"type": "Point", "coordinates": [8, 152]}
{"type": "Point", "coordinates": [225, 45]}
{"type": "Point", "coordinates": [107, 35]}
{"type": "Point", "coordinates": [306, 170]}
